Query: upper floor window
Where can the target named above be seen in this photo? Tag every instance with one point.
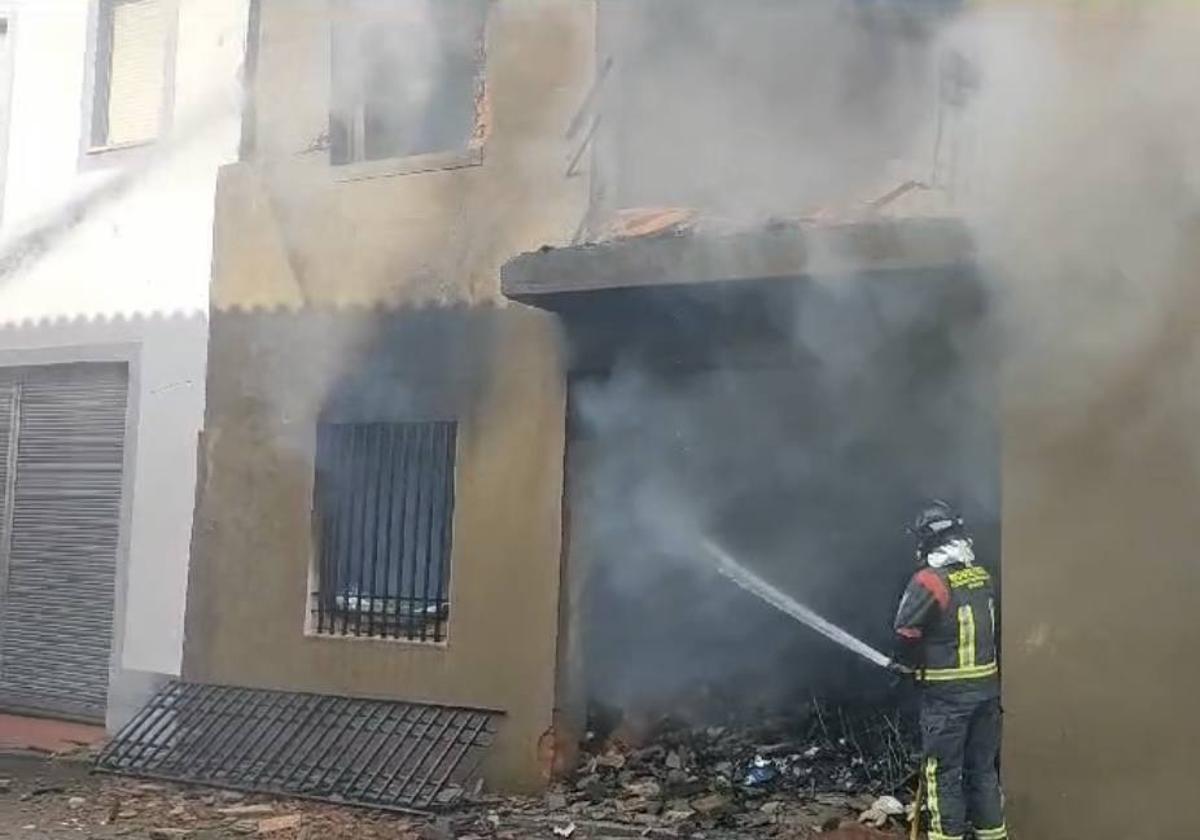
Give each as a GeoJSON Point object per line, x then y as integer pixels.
{"type": "Point", "coordinates": [130, 79]}
{"type": "Point", "coordinates": [406, 77]}
{"type": "Point", "coordinates": [6, 77]}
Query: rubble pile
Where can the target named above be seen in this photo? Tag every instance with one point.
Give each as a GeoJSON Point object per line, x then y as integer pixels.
{"type": "Point", "coordinates": [670, 782]}
{"type": "Point", "coordinates": [823, 748]}
{"type": "Point", "coordinates": [814, 768]}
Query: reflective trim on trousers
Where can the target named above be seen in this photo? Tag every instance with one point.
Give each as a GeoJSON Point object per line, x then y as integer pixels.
{"type": "Point", "coordinates": [1000, 833]}
{"type": "Point", "coordinates": [931, 799]}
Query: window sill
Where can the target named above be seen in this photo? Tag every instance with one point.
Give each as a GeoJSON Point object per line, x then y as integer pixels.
{"type": "Point", "coordinates": [96, 151]}
{"type": "Point", "coordinates": [386, 640]}
{"type": "Point", "coordinates": [100, 158]}
{"type": "Point", "coordinates": [413, 165]}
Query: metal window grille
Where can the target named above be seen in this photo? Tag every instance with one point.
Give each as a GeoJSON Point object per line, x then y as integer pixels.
{"type": "Point", "coordinates": [384, 507]}
{"type": "Point", "coordinates": [377, 753]}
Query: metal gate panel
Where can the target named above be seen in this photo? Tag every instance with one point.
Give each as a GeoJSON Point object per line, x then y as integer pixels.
{"type": "Point", "coordinates": [63, 536]}
{"type": "Point", "coordinates": [377, 753]}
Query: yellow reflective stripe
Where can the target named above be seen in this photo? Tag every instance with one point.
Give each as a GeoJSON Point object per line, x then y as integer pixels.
{"type": "Point", "coordinates": [966, 637]}
{"type": "Point", "coordinates": [1000, 833]}
{"type": "Point", "coordinates": [971, 634]}
{"type": "Point", "coordinates": [933, 835]}
{"type": "Point", "coordinates": [931, 798]}
{"type": "Point", "coordinates": [946, 674]}
{"type": "Point", "coordinates": [962, 637]}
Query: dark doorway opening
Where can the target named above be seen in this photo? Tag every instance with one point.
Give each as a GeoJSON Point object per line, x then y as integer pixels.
{"type": "Point", "coordinates": [797, 422]}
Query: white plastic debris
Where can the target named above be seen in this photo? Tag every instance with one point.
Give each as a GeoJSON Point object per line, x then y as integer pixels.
{"type": "Point", "coordinates": [564, 830]}
{"type": "Point", "coordinates": [880, 811]}
{"type": "Point", "coordinates": [889, 805]}
{"type": "Point", "coordinates": [873, 818]}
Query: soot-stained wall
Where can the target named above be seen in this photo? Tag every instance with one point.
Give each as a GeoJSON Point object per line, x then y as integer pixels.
{"type": "Point", "coordinates": [271, 377]}
{"type": "Point", "coordinates": [377, 287]}
{"type": "Point", "coordinates": [768, 107]}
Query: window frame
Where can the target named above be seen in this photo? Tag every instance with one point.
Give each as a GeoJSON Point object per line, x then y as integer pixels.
{"type": "Point", "coordinates": [312, 628]}
{"type": "Point", "coordinates": [93, 149]}
{"type": "Point", "coordinates": [472, 154]}
{"type": "Point", "coordinates": [8, 16]}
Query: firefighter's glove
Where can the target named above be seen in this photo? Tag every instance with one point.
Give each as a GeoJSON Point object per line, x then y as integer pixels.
{"type": "Point", "coordinates": [900, 675]}
{"type": "Point", "coordinates": [899, 669]}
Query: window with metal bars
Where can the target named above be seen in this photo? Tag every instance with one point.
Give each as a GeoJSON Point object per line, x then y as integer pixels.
{"type": "Point", "coordinates": [384, 506]}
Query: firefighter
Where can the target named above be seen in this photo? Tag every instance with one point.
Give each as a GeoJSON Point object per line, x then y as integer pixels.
{"type": "Point", "coordinates": [946, 626]}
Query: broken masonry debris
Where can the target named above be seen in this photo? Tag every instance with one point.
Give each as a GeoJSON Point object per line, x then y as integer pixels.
{"type": "Point", "coordinates": [821, 747]}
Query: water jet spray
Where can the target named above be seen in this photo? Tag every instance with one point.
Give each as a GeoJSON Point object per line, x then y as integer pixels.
{"type": "Point", "coordinates": [747, 580]}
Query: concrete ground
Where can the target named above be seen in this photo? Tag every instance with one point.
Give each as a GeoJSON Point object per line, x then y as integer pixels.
{"type": "Point", "coordinates": [59, 798]}
{"type": "Point", "coordinates": [47, 790]}
{"type": "Point", "coordinates": [56, 798]}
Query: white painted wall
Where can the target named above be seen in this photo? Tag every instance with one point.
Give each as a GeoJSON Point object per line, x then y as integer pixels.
{"type": "Point", "coordinates": [134, 272]}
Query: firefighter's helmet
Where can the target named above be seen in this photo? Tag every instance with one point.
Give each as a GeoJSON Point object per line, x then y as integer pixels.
{"type": "Point", "coordinates": [936, 524]}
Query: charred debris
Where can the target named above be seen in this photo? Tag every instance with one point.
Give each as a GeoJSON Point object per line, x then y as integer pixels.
{"type": "Point", "coordinates": [819, 758]}
{"type": "Point", "coordinates": [841, 770]}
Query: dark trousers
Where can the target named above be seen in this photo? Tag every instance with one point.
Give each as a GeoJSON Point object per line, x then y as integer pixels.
{"type": "Point", "coordinates": [960, 736]}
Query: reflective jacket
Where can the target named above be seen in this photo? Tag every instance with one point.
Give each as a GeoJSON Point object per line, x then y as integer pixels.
{"type": "Point", "coordinates": [949, 615]}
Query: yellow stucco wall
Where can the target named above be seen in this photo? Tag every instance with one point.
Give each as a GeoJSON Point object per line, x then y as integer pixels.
{"type": "Point", "coordinates": [1102, 588]}
{"type": "Point", "coordinates": [442, 234]}
{"type": "Point", "coordinates": [319, 271]}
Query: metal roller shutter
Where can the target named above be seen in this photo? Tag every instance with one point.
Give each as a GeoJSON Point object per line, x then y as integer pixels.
{"type": "Point", "coordinates": [60, 563]}
{"type": "Point", "coordinates": [136, 71]}
{"type": "Point", "coordinates": [8, 405]}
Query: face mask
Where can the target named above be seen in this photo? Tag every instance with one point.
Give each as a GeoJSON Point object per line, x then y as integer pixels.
{"type": "Point", "coordinates": [958, 551]}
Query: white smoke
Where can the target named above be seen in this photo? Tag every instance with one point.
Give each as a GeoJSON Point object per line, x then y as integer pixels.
{"type": "Point", "coordinates": [1066, 137]}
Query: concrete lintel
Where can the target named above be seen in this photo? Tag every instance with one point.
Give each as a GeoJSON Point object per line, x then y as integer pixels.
{"type": "Point", "coordinates": [692, 256]}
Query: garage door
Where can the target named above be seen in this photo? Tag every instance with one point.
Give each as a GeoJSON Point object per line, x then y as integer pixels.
{"type": "Point", "coordinates": [62, 431]}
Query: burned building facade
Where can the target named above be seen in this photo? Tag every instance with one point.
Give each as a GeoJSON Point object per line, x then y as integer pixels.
{"type": "Point", "coordinates": [381, 500]}
{"type": "Point", "coordinates": [496, 348]}
{"type": "Point", "coordinates": [390, 436]}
